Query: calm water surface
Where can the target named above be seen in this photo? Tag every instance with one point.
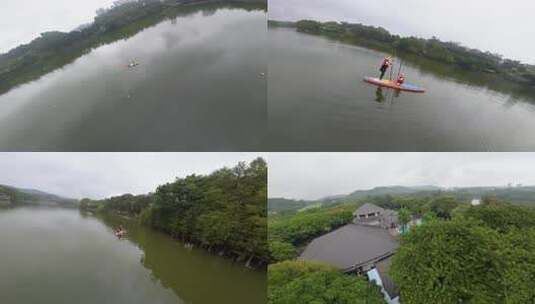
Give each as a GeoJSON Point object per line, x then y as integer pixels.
{"type": "Point", "coordinates": [60, 256]}
{"type": "Point", "coordinates": [199, 87]}
{"type": "Point", "coordinates": [318, 101]}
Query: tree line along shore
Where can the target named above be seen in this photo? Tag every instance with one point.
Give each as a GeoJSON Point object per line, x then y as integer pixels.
{"type": "Point", "coordinates": [224, 212]}
{"type": "Point", "coordinates": [486, 64]}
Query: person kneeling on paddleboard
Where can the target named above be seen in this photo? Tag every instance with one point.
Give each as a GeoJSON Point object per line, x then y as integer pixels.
{"type": "Point", "coordinates": [401, 79]}
{"type": "Point", "coordinates": [384, 66]}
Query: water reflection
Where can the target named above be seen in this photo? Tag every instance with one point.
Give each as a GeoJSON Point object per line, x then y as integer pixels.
{"type": "Point", "coordinates": [318, 101]}
{"type": "Point", "coordinates": [196, 88]}
{"type": "Point", "coordinates": [379, 97]}
{"type": "Point", "coordinates": [189, 272]}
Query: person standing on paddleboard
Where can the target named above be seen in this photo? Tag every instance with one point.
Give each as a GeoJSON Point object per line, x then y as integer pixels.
{"type": "Point", "coordinates": [387, 62]}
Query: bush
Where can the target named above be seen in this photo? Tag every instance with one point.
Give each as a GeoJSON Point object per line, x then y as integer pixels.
{"type": "Point", "coordinates": [308, 282]}
{"type": "Point", "coordinates": [280, 251]}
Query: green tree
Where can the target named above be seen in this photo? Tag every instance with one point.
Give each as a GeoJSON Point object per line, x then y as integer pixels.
{"type": "Point", "coordinates": [454, 261]}
{"type": "Point", "coordinates": [308, 26]}
{"type": "Point", "coordinates": [429, 216]}
{"type": "Point", "coordinates": [295, 282]}
{"type": "Point", "coordinates": [519, 256]}
{"type": "Point", "coordinates": [281, 251]}
{"type": "Point", "coordinates": [442, 206]}
{"type": "Point", "coordinates": [503, 217]}
{"type": "Point", "coordinates": [404, 217]}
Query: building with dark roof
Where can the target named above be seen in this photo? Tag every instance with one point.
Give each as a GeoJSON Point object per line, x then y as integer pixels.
{"type": "Point", "coordinates": [364, 247]}
{"type": "Point", "coordinates": [352, 248]}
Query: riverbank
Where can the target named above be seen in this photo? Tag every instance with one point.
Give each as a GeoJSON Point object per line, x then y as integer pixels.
{"type": "Point", "coordinates": [85, 263]}
{"type": "Point", "coordinates": [457, 62]}
{"type": "Point", "coordinates": [223, 213]}
{"type": "Point", "coordinates": [54, 49]}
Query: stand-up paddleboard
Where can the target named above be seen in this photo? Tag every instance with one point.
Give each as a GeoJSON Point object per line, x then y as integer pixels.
{"type": "Point", "coordinates": [393, 85]}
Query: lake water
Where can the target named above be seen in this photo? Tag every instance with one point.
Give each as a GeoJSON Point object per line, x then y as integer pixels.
{"type": "Point", "coordinates": [318, 101]}
{"type": "Point", "coordinates": [199, 87]}
{"type": "Point", "coordinates": [60, 256]}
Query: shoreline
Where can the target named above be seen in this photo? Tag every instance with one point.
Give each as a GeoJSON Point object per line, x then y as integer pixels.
{"type": "Point", "coordinates": [492, 81]}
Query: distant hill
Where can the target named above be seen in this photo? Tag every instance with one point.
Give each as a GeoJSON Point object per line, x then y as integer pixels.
{"type": "Point", "coordinates": [278, 204]}
{"type": "Point", "coordinates": [521, 195]}
{"type": "Point", "coordinates": [11, 196]}
{"type": "Point", "coordinates": [392, 190]}
{"type": "Point", "coordinates": [283, 204]}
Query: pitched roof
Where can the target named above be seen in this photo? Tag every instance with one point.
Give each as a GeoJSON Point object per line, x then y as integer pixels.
{"type": "Point", "coordinates": [350, 245]}
{"type": "Point", "coordinates": [368, 208]}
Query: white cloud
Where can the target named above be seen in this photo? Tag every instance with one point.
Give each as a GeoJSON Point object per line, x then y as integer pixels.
{"type": "Point", "coordinates": [99, 175]}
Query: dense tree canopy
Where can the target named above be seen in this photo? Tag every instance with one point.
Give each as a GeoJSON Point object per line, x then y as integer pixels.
{"type": "Point", "coordinates": [485, 254]}
{"type": "Point", "coordinates": [443, 206]}
{"type": "Point", "coordinates": [404, 217]}
{"type": "Point", "coordinates": [295, 282]}
{"type": "Point", "coordinates": [502, 217]}
{"type": "Point", "coordinates": [519, 274]}
{"type": "Point", "coordinates": [448, 262]}
{"type": "Point", "coordinates": [281, 251]}
{"type": "Point", "coordinates": [127, 204]}
{"type": "Point", "coordinates": [224, 212]}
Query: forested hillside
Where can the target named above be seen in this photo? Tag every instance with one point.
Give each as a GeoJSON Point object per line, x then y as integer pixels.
{"type": "Point", "coordinates": [384, 196]}
{"type": "Point", "coordinates": [12, 197]}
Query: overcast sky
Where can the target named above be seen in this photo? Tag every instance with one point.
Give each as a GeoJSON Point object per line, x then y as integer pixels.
{"type": "Point", "coordinates": [316, 175]}
{"type": "Point", "coordinates": [504, 27]}
{"type": "Point", "coordinates": [23, 20]}
{"type": "Point", "coordinates": [99, 175]}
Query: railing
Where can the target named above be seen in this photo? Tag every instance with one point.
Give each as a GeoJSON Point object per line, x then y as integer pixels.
{"type": "Point", "coordinates": [367, 262]}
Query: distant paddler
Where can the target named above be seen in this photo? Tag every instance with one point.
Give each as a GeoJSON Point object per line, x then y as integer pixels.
{"type": "Point", "coordinates": [120, 232]}
{"type": "Point", "coordinates": [387, 62]}
{"type": "Point", "coordinates": [133, 63]}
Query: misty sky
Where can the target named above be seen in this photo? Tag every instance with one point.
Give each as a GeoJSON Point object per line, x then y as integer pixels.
{"type": "Point", "coordinates": [316, 175]}
{"type": "Point", "coordinates": [504, 27]}
{"type": "Point", "coordinates": [23, 20]}
{"type": "Point", "coordinates": [99, 175]}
